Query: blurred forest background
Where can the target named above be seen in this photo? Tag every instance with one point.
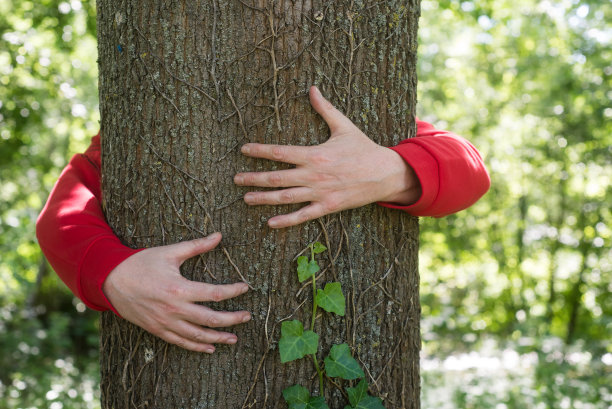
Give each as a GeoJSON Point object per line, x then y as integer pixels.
{"type": "Point", "coordinates": [516, 302]}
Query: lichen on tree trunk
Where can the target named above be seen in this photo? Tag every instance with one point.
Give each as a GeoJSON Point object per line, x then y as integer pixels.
{"type": "Point", "coordinates": [183, 84]}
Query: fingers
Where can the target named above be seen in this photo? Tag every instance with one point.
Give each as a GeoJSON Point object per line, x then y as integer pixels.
{"type": "Point", "coordinates": [201, 292]}
{"type": "Point", "coordinates": [310, 212]}
{"type": "Point", "coordinates": [185, 327]}
{"type": "Point", "coordinates": [208, 317]}
{"type": "Point", "coordinates": [202, 335]}
{"type": "Point", "coordinates": [278, 197]}
{"type": "Point", "coordinates": [187, 249]}
{"type": "Point", "coordinates": [277, 178]}
{"type": "Point", "coordinates": [195, 338]}
{"type": "Point", "coordinates": [185, 343]}
{"type": "Point", "coordinates": [280, 153]}
{"type": "Point", "coordinates": [330, 114]}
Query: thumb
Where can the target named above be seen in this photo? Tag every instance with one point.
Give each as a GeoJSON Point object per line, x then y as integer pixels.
{"type": "Point", "coordinates": [187, 249]}
{"type": "Point", "coordinates": [334, 118]}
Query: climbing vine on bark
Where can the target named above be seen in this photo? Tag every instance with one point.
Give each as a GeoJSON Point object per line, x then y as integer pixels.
{"type": "Point", "coordinates": [296, 343]}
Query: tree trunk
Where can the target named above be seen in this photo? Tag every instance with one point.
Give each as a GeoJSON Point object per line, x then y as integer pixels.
{"type": "Point", "coordinates": [183, 84]}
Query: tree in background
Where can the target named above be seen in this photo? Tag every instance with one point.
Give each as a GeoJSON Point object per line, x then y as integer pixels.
{"type": "Point", "coordinates": [533, 92]}
{"type": "Point", "coordinates": [180, 90]}
{"type": "Point", "coordinates": [48, 111]}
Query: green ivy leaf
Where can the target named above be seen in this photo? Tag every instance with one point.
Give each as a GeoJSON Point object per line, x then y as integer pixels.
{"type": "Point", "coordinates": [340, 363]}
{"type": "Point", "coordinates": [317, 402]}
{"type": "Point", "coordinates": [331, 299]}
{"type": "Point", "coordinates": [298, 397]}
{"type": "Point", "coordinates": [295, 343]}
{"type": "Point", "coordinates": [296, 394]}
{"type": "Point", "coordinates": [306, 269]}
{"type": "Point", "coordinates": [359, 398]}
{"type": "Point", "coordinates": [318, 248]}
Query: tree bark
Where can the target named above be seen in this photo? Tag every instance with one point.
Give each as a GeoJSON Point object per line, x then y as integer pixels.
{"type": "Point", "coordinates": [183, 84]}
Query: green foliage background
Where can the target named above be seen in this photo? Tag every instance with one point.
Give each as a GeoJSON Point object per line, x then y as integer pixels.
{"type": "Point", "coordinates": [516, 302]}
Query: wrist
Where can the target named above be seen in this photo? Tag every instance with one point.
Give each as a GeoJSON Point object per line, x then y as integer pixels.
{"type": "Point", "coordinates": [101, 257]}
{"type": "Point", "coordinates": [402, 181]}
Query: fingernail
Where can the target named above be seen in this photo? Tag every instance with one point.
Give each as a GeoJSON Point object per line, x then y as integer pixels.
{"type": "Point", "coordinates": [209, 350]}
{"type": "Point", "coordinates": [214, 236]}
{"type": "Point", "coordinates": [232, 340]}
{"type": "Point", "coordinates": [247, 317]}
{"type": "Point", "coordinates": [248, 198]}
{"type": "Point", "coordinates": [272, 223]}
{"type": "Point", "coordinates": [238, 179]}
{"type": "Point", "coordinates": [245, 149]}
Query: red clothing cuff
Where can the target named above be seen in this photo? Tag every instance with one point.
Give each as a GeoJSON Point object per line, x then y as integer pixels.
{"type": "Point", "coordinates": [425, 166]}
{"type": "Point", "coordinates": [101, 257]}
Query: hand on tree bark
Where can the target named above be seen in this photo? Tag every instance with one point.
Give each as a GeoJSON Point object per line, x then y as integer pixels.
{"type": "Point", "coordinates": [347, 171]}
{"type": "Point", "coordinates": [148, 290]}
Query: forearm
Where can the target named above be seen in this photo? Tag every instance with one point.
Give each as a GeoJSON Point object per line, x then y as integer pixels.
{"type": "Point", "coordinates": [450, 170]}
{"type": "Point", "coordinates": [74, 236]}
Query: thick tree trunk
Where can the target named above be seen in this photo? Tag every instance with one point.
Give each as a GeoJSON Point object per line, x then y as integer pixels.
{"type": "Point", "coordinates": [182, 85]}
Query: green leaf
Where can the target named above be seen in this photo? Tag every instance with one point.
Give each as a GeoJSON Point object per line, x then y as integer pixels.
{"type": "Point", "coordinates": [298, 397]}
{"type": "Point", "coordinates": [340, 363]}
{"type": "Point", "coordinates": [318, 248]}
{"type": "Point", "coordinates": [368, 402]}
{"type": "Point", "coordinates": [296, 394]}
{"type": "Point", "coordinates": [331, 299]}
{"type": "Point", "coordinates": [306, 269]}
{"type": "Point", "coordinates": [357, 393]}
{"type": "Point", "coordinates": [359, 398]}
{"type": "Point", "coordinates": [317, 402]}
{"type": "Point", "coordinates": [295, 343]}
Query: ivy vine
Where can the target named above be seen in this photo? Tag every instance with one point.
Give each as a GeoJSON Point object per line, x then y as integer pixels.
{"type": "Point", "coordinates": [297, 343]}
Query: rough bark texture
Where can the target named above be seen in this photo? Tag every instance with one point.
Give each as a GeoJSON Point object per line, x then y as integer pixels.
{"type": "Point", "coordinates": [183, 84]}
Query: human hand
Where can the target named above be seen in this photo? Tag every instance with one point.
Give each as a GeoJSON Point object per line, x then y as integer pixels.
{"type": "Point", "coordinates": [148, 290]}
{"type": "Point", "coordinates": [347, 171]}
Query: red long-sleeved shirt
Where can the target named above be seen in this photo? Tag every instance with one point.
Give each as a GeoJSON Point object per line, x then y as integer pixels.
{"type": "Point", "coordinates": [83, 250]}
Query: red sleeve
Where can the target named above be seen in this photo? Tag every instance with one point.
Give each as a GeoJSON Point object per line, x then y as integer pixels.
{"type": "Point", "coordinates": [73, 233]}
{"type": "Point", "coordinates": [451, 171]}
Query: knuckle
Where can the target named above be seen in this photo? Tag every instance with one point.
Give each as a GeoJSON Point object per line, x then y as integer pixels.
{"type": "Point", "coordinates": [176, 340]}
{"type": "Point", "coordinates": [169, 309]}
{"type": "Point", "coordinates": [213, 321]}
{"type": "Point", "coordinates": [253, 198]}
{"type": "Point", "coordinates": [331, 207]}
{"type": "Point", "coordinates": [195, 244]}
{"type": "Point", "coordinates": [319, 158]}
{"type": "Point", "coordinates": [155, 330]}
{"type": "Point", "coordinates": [320, 177]}
{"type": "Point", "coordinates": [216, 294]}
{"type": "Point", "coordinates": [287, 197]}
{"type": "Point", "coordinates": [332, 204]}
{"type": "Point", "coordinates": [175, 291]}
{"type": "Point", "coordinates": [274, 179]}
{"type": "Point", "coordinates": [278, 152]}
{"type": "Point", "coordinates": [197, 336]}
{"type": "Point", "coordinates": [162, 324]}
{"type": "Point", "coordinates": [303, 217]}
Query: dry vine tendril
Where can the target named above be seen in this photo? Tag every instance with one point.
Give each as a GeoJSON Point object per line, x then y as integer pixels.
{"type": "Point", "coordinates": [295, 343]}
